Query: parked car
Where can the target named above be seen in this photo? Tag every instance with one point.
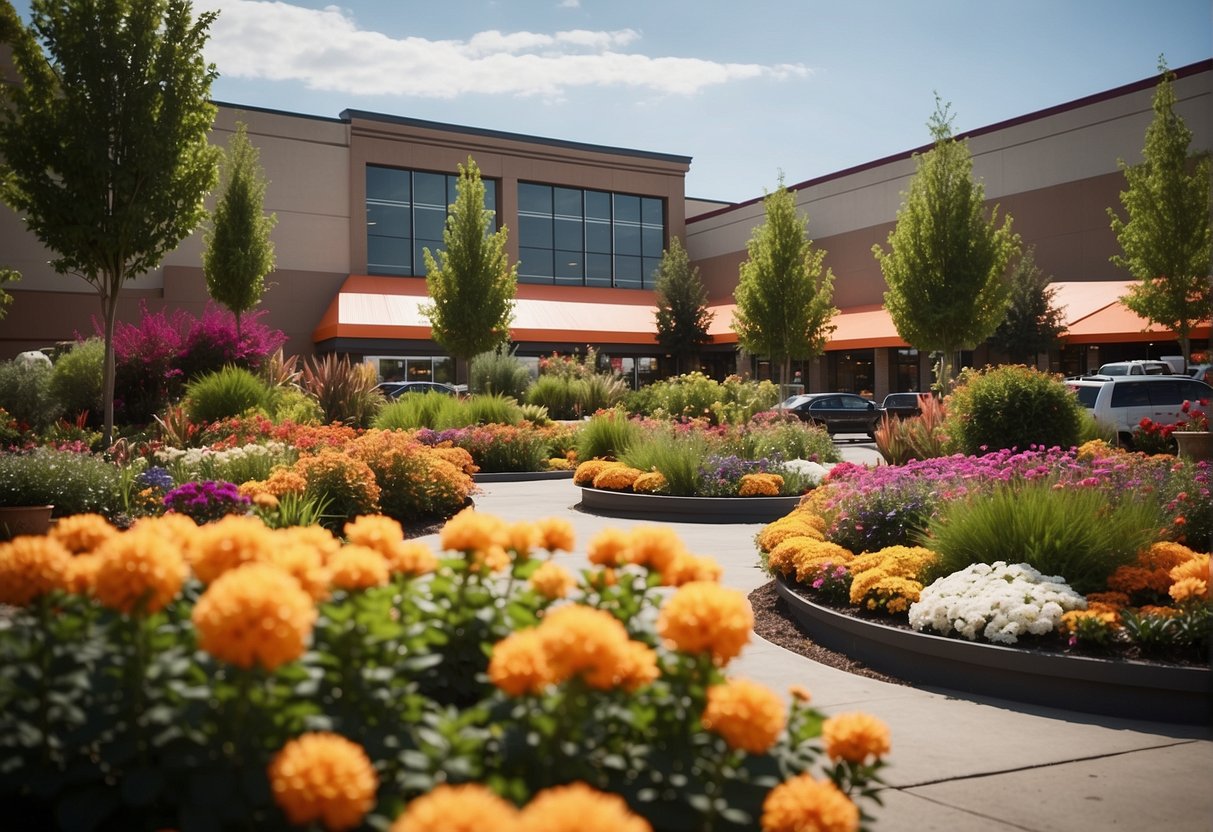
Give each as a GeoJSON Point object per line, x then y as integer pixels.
{"type": "Point", "coordinates": [394, 389]}
{"type": "Point", "coordinates": [836, 412]}
{"type": "Point", "coordinates": [903, 405]}
{"type": "Point", "coordinates": [1139, 367]}
{"type": "Point", "coordinates": [1121, 402]}
{"type": "Point", "coordinates": [1202, 372]}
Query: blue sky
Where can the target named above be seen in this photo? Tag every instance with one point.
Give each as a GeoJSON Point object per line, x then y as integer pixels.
{"type": "Point", "coordinates": [806, 87]}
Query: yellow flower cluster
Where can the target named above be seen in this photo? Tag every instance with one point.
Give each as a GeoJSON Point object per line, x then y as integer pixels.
{"type": "Point", "coordinates": [796, 524]}
{"type": "Point", "coordinates": [1072, 621]}
{"type": "Point", "coordinates": [804, 556]}
{"type": "Point", "coordinates": [137, 572]}
{"type": "Point", "coordinates": [747, 715]}
{"type": "Point", "coordinates": [254, 615]}
{"type": "Point", "coordinates": [216, 548]}
{"type": "Point", "coordinates": [855, 737]}
{"type": "Point", "coordinates": [704, 617]}
{"type": "Point", "coordinates": [559, 463]}
{"type": "Point", "coordinates": [82, 532]}
{"type": "Point", "coordinates": [760, 485]}
{"type": "Point", "coordinates": [1151, 571]}
{"type": "Point", "coordinates": [552, 581]}
{"type": "Point", "coordinates": [323, 777]}
{"type": "Point", "coordinates": [466, 808]}
{"type": "Point", "coordinates": [1096, 449]}
{"type": "Point", "coordinates": [803, 804]}
{"type": "Point", "coordinates": [459, 457]}
{"type": "Point", "coordinates": [354, 568]}
{"type": "Point", "coordinates": [889, 578]}
{"type": "Point", "coordinates": [472, 808]}
{"type": "Point", "coordinates": [31, 567]}
{"type": "Point", "coordinates": [586, 472]}
{"type": "Point", "coordinates": [617, 478]}
{"type": "Point", "coordinates": [1191, 580]}
{"type": "Point", "coordinates": [651, 482]}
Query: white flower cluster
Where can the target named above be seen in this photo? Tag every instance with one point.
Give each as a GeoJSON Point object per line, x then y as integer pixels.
{"type": "Point", "coordinates": [997, 601]}
{"type": "Point", "coordinates": [195, 458]}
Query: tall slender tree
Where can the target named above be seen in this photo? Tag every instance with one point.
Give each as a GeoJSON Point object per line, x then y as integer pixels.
{"type": "Point", "coordinates": [682, 305]}
{"type": "Point", "coordinates": [104, 140]}
{"type": "Point", "coordinates": [471, 282]}
{"type": "Point", "coordinates": [946, 262]}
{"type": "Point", "coordinates": [1033, 323]}
{"type": "Point", "coordinates": [1166, 237]}
{"type": "Point", "coordinates": [784, 295]}
{"type": "Point", "coordinates": [237, 251]}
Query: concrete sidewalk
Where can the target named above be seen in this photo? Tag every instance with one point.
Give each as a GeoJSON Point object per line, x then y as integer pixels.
{"type": "Point", "coordinates": [958, 763]}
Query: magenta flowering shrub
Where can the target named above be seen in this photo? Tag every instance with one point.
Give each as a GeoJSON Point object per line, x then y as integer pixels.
{"type": "Point", "coordinates": [206, 500]}
{"type": "Point", "coordinates": [212, 343]}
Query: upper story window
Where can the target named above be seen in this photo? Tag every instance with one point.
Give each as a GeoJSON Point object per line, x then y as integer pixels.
{"type": "Point", "coordinates": [575, 237]}
{"type": "Point", "coordinates": [406, 213]}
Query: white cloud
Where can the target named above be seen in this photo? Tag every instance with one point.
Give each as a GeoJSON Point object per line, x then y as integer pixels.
{"type": "Point", "coordinates": [326, 50]}
{"type": "Point", "coordinates": [569, 4]}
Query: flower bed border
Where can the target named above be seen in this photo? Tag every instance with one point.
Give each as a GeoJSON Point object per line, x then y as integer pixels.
{"type": "Point", "coordinates": [1129, 689]}
{"type": "Point", "coordinates": [520, 476]}
{"type": "Point", "coordinates": [685, 509]}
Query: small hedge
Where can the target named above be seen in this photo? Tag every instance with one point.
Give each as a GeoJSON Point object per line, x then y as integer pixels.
{"type": "Point", "coordinates": [1011, 407]}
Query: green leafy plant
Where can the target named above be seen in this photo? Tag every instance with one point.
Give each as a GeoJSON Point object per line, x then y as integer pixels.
{"type": "Point", "coordinates": [493, 408]}
{"type": "Point", "coordinates": [607, 435]}
{"type": "Point", "coordinates": [74, 483]}
{"type": "Point", "coordinates": [557, 393]}
{"type": "Point", "coordinates": [422, 410]}
{"type": "Point", "coordinates": [225, 393]}
{"type": "Point", "coordinates": [498, 371]}
{"type": "Point", "coordinates": [345, 391]}
{"type": "Point", "coordinates": [680, 462]}
{"type": "Point", "coordinates": [1011, 407]}
{"type": "Point", "coordinates": [76, 379]}
{"type": "Point", "coordinates": [26, 393]}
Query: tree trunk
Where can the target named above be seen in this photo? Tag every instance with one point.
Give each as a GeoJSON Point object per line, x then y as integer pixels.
{"type": "Point", "coordinates": [109, 312]}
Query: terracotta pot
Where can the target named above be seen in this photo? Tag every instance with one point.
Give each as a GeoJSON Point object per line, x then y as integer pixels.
{"type": "Point", "coordinates": [1194, 445]}
{"type": "Point", "coordinates": [17, 520]}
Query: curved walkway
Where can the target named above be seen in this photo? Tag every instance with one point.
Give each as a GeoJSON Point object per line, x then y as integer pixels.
{"type": "Point", "coordinates": [971, 764]}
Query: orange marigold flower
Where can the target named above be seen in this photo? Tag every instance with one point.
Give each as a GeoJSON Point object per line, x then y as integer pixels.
{"type": "Point", "coordinates": [1110, 599]}
{"type": "Point", "coordinates": [217, 547]}
{"type": "Point", "coordinates": [81, 573]}
{"type": "Point", "coordinates": [655, 547]}
{"type": "Point", "coordinates": [650, 483]}
{"type": "Point", "coordinates": [617, 477]}
{"type": "Point", "coordinates": [284, 481]}
{"type": "Point", "coordinates": [469, 531]}
{"type": "Point", "coordinates": [687, 568]}
{"type": "Point", "coordinates": [587, 642]}
{"type": "Point", "coordinates": [748, 716]}
{"type": "Point", "coordinates": [1197, 567]}
{"type": "Point", "coordinates": [610, 547]}
{"type": "Point", "coordinates": [467, 808]}
{"type": "Point", "coordinates": [138, 572]}
{"type": "Point", "coordinates": [493, 559]}
{"type": "Point", "coordinates": [317, 537]}
{"type": "Point", "coordinates": [30, 567]}
{"type": "Point", "coordinates": [552, 581]}
{"type": "Point", "coordinates": [760, 485]}
{"type": "Point", "coordinates": [855, 737]}
{"type": "Point", "coordinates": [523, 537]}
{"type": "Point", "coordinates": [519, 664]}
{"type": "Point", "coordinates": [803, 804]}
{"type": "Point", "coordinates": [357, 567]}
{"type": "Point", "coordinates": [638, 666]}
{"type": "Point", "coordinates": [411, 557]}
{"type": "Point", "coordinates": [800, 693]}
{"type": "Point", "coordinates": [376, 531]}
{"type": "Point", "coordinates": [579, 808]}
{"type": "Point", "coordinates": [556, 534]}
{"type": "Point", "coordinates": [588, 470]}
{"type": "Point", "coordinates": [254, 615]}
{"type": "Point", "coordinates": [1187, 589]}
{"type": "Point", "coordinates": [323, 777]}
{"type": "Point", "coordinates": [706, 617]}
{"type": "Point", "coordinates": [304, 563]}
{"type": "Point", "coordinates": [175, 528]}
{"type": "Point", "coordinates": [82, 532]}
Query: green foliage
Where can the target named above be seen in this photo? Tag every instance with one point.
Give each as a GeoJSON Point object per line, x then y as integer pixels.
{"type": "Point", "coordinates": [76, 380]}
{"type": "Point", "coordinates": [492, 408]}
{"type": "Point", "coordinates": [946, 262]}
{"type": "Point", "coordinates": [225, 393]}
{"type": "Point", "coordinates": [784, 297]}
{"type": "Point", "coordinates": [498, 371]}
{"type": "Point", "coordinates": [295, 510]}
{"type": "Point", "coordinates": [1033, 323]}
{"type": "Point", "coordinates": [1011, 407]}
{"type": "Point", "coordinates": [422, 410]}
{"type": "Point", "coordinates": [237, 252]}
{"type": "Point", "coordinates": [1161, 633]}
{"type": "Point", "coordinates": [536, 414]}
{"type": "Point", "coordinates": [73, 483]}
{"type": "Point", "coordinates": [105, 138]}
{"type": "Point", "coordinates": [1075, 532]}
{"type": "Point", "coordinates": [1167, 238]}
{"type": "Point", "coordinates": [1090, 428]}
{"type": "Point", "coordinates": [557, 393]}
{"type": "Point", "coordinates": [680, 462]}
{"type": "Point", "coordinates": [682, 305]}
{"type": "Point", "coordinates": [471, 283]}
{"type": "Point", "coordinates": [6, 276]}
{"type": "Point", "coordinates": [27, 395]}
{"type": "Point", "coordinates": [345, 391]}
{"type": "Point", "coordinates": [695, 396]}
{"type": "Point", "coordinates": [290, 404]}
{"type": "Point", "coordinates": [607, 435]}
{"type": "Point", "coordinates": [783, 439]}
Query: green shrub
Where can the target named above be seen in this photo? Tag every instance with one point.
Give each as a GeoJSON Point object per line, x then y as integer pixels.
{"type": "Point", "coordinates": [76, 379]}
{"type": "Point", "coordinates": [25, 392]}
{"type": "Point", "coordinates": [1011, 407]}
{"type": "Point", "coordinates": [498, 372]}
{"type": "Point", "coordinates": [412, 411]}
{"type": "Point", "coordinates": [225, 393]}
{"type": "Point", "coordinates": [607, 435]}
{"type": "Point", "coordinates": [1090, 428]}
{"type": "Point", "coordinates": [536, 414]}
{"type": "Point", "coordinates": [492, 408]}
{"type": "Point", "coordinates": [290, 404]}
{"type": "Point", "coordinates": [680, 462]}
{"type": "Point", "coordinates": [784, 439]}
{"type": "Point", "coordinates": [557, 393]}
{"type": "Point", "coordinates": [73, 483]}
{"type": "Point", "coordinates": [346, 392]}
{"type": "Point", "coordinates": [1074, 532]}
{"type": "Point", "coordinates": [599, 392]}
{"type": "Point", "coordinates": [695, 396]}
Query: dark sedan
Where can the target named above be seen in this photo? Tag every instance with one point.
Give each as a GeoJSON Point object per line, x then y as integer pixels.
{"type": "Point", "coordinates": [395, 389]}
{"type": "Point", "coordinates": [903, 405]}
{"type": "Point", "coordinates": [836, 412]}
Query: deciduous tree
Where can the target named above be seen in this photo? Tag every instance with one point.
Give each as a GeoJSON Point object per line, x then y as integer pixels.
{"type": "Point", "coordinates": [946, 262]}
{"type": "Point", "coordinates": [1166, 235]}
{"type": "Point", "coordinates": [104, 140]}
{"type": "Point", "coordinates": [784, 296]}
{"type": "Point", "coordinates": [682, 305]}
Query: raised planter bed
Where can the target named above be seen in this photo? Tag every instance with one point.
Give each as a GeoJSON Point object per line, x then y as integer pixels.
{"type": "Point", "coordinates": [1130, 689]}
{"type": "Point", "coordinates": [521, 476]}
{"type": "Point", "coordinates": [685, 509]}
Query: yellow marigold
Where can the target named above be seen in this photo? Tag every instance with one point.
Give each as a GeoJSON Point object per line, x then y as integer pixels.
{"type": "Point", "coordinates": [317, 537]}
{"type": "Point", "coordinates": [323, 777]}
{"type": "Point", "coordinates": [637, 666]}
{"type": "Point", "coordinates": [411, 557]}
{"type": "Point", "coordinates": [524, 537]}
{"type": "Point", "coordinates": [617, 478]}
{"type": "Point", "coordinates": [706, 617]}
{"type": "Point", "coordinates": [493, 559]}
{"type": "Point", "coordinates": [82, 532]}
{"type": "Point", "coordinates": [556, 534]}
{"type": "Point", "coordinates": [1196, 567]}
{"type": "Point", "coordinates": [284, 481]}
{"type": "Point", "coordinates": [803, 556]}
{"type": "Point", "coordinates": [176, 528]}
{"type": "Point", "coordinates": [357, 567]}
{"type": "Point", "coordinates": [30, 567]}
{"type": "Point", "coordinates": [586, 642]}
{"type": "Point", "coordinates": [815, 502]}
{"type": "Point", "coordinates": [81, 573]}
{"type": "Point", "coordinates": [265, 501]}
{"type": "Point", "coordinates": [747, 715]}
{"type": "Point", "coordinates": [610, 547]}
{"type": "Point", "coordinates": [1095, 449]}
{"type": "Point", "coordinates": [470, 531]}
{"type": "Point", "coordinates": [655, 547]}
{"type": "Point", "coordinates": [803, 804]}
{"type": "Point", "coordinates": [588, 470]}
{"type": "Point", "coordinates": [467, 808]}
{"type": "Point", "coordinates": [1188, 589]}
{"type": "Point", "coordinates": [1102, 608]}
{"type": "Point", "coordinates": [376, 531]}
{"type": "Point", "coordinates": [138, 572]}
{"type": "Point", "coordinates": [459, 457]}
{"type": "Point", "coordinates": [855, 737]}
{"type": "Point", "coordinates": [254, 615]}
{"type": "Point", "coordinates": [877, 589]}
{"type": "Point", "coordinates": [304, 563]}
{"type": "Point", "coordinates": [1071, 620]}
{"type": "Point", "coordinates": [687, 568]}
{"type": "Point", "coordinates": [552, 581]}
{"type": "Point", "coordinates": [760, 485]}
{"type": "Point", "coordinates": [903, 561]}
{"type": "Point", "coordinates": [650, 482]}
{"type": "Point", "coordinates": [559, 463]}
{"type": "Point", "coordinates": [226, 544]}
{"type": "Point", "coordinates": [579, 808]}
{"type": "Point", "coordinates": [519, 665]}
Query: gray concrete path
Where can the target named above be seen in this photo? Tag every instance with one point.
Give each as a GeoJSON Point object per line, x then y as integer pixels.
{"type": "Point", "coordinates": [958, 762]}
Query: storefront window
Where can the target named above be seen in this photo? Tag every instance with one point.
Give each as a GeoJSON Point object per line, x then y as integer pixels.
{"type": "Point", "coordinates": [852, 371]}
{"type": "Point", "coordinates": [906, 378]}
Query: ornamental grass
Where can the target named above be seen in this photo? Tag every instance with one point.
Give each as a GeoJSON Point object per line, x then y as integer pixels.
{"type": "Point", "coordinates": [288, 678]}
